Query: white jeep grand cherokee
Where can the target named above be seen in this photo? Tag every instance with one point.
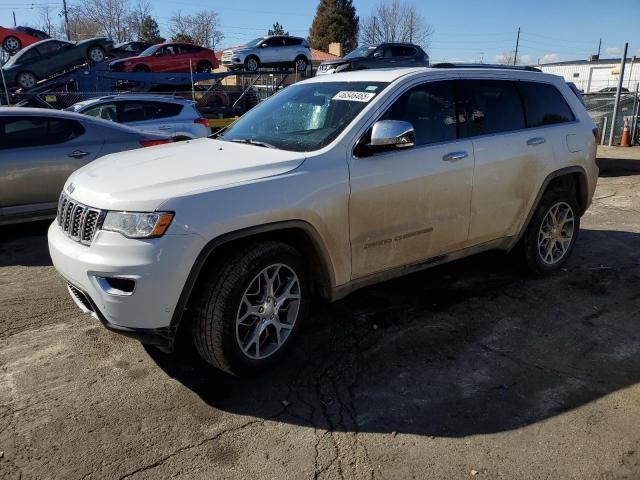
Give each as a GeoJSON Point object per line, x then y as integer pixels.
{"type": "Point", "coordinates": [330, 185]}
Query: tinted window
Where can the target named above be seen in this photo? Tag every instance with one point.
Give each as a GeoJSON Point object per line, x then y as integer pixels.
{"type": "Point", "coordinates": [141, 111]}
{"type": "Point", "coordinates": [489, 106]}
{"type": "Point", "coordinates": [28, 131]}
{"type": "Point", "coordinates": [430, 108]}
{"type": "Point", "coordinates": [545, 105]}
{"type": "Point", "coordinates": [274, 42]}
{"type": "Point", "coordinates": [402, 51]}
{"type": "Point", "coordinates": [292, 41]}
{"type": "Point", "coordinates": [51, 48]}
{"type": "Point", "coordinates": [170, 50]}
{"type": "Point", "coordinates": [189, 49]}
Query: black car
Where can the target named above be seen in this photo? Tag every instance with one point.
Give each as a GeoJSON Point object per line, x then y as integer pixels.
{"type": "Point", "coordinates": [129, 49]}
{"type": "Point", "coordinates": [385, 55]}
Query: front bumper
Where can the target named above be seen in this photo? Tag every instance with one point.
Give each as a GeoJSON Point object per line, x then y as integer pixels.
{"type": "Point", "coordinates": [159, 267]}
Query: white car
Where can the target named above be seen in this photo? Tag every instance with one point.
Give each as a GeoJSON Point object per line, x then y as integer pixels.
{"type": "Point", "coordinates": [174, 117]}
{"type": "Point", "coordinates": [334, 183]}
{"type": "Point", "coordinates": [270, 51]}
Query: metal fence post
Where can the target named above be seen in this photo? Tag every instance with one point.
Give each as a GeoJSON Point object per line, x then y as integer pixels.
{"type": "Point", "coordinates": [634, 121]}
{"type": "Point", "coordinates": [604, 130]}
{"type": "Point", "coordinates": [617, 102]}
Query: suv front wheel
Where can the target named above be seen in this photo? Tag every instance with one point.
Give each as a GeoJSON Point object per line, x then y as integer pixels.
{"type": "Point", "coordinates": [249, 310]}
{"type": "Point", "coordinates": [552, 232]}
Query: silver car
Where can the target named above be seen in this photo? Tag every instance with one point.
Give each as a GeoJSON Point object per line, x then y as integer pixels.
{"type": "Point", "coordinates": [270, 51]}
{"type": "Point", "coordinates": [40, 148]}
{"type": "Point", "coordinates": [174, 117]}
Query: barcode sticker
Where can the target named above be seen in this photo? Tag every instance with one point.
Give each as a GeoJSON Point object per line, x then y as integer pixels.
{"type": "Point", "coordinates": [354, 96]}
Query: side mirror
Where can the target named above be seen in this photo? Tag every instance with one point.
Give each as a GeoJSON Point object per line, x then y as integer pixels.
{"type": "Point", "coordinates": [264, 45]}
{"type": "Point", "coordinates": [387, 134]}
{"type": "Point", "coordinates": [158, 53]}
{"type": "Point", "coordinates": [377, 55]}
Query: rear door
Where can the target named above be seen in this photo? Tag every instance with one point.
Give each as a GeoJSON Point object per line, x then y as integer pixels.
{"type": "Point", "coordinates": [274, 51]}
{"type": "Point", "coordinates": [509, 158]}
{"type": "Point", "coordinates": [37, 156]}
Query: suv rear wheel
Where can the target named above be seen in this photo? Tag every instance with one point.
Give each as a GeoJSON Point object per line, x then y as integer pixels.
{"type": "Point", "coordinates": [552, 232]}
{"type": "Point", "coordinates": [301, 64]}
{"type": "Point", "coordinates": [248, 312]}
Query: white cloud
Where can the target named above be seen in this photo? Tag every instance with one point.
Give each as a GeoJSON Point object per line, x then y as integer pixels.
{"type": "Point", "coordinates": [612, 51]}
{"type": "Point", "coordinates": [550, 58]}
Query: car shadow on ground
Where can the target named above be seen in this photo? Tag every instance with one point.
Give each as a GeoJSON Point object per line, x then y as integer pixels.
{"type": "Point", "coordinates": [618, 167]}
{"type": "Point", "coordinates": [476, 346]}
{"type": "Point", "coordinates": [24, 244]}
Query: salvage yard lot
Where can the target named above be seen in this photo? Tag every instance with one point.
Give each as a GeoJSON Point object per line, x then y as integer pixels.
{"type": "Point", "coordinates": [473, 366]}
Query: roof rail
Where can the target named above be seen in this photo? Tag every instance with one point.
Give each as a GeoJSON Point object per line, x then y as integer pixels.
{"type": "Point", "coordinates": [526, 68]}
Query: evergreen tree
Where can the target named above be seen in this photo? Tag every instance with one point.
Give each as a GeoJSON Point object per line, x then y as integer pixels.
{"type": "Point", "coordinates": [149, 31]}
{"type": "Point", "coordinates": [335, 21]}
{"type": "Point", "coordinates": [277, 29]}
{"type": "Point", "coordinates": [182, 37]}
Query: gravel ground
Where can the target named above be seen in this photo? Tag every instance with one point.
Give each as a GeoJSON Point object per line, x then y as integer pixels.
{"type": "Point", "coordinates": [473, 369]}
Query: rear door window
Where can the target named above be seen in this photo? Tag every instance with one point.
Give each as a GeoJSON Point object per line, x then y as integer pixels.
{"type": "Point", "coordinates": [31, 131]}
{"type": "Point", "coordinates": [290, 42]}
{"type": "Point", "coordinates": [106, 111]}
{"type": "Point", "coordinates": [544, 104]}
{"type": "Point", "coordinates": [488, 106]}
{"type": "Point", "coordinates": [402, 51]}
{"type": "Point", "coordinates": [142, 111]}
{"type": "Point", "coordinates": [430, 108]}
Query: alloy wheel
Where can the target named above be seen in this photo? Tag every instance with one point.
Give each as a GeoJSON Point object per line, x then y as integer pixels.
{"type": "Point", "coordinates": [12, 44]}
{"type": "Point", "coordinates": [26, 80]}
{"type": "Point", "coordinates": [268, 311]}
{"type": "Point", "coordinates": [252, 64]}
{"type": "Point", "coordinates": [96, 55]}
{"type": "Point", "coordinates": [556, 233]}
{"type": "Point", "coordinates": [301, 65]}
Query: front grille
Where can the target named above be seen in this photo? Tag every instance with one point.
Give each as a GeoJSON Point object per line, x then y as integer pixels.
{"type": "Point", "coordinates": [78, 221]}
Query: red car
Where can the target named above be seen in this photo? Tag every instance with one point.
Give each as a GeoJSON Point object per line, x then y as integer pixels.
{"type": "Point", "coordinates": [169, 57]}
{"type": "Point", "coordinates": [14, 39]}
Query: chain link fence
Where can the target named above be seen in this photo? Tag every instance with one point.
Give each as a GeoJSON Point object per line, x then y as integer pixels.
{"type": "Point", "coordinates": [600, 108]}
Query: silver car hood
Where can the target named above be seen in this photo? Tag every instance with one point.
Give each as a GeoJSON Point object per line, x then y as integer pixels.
{"type": "Point", "coordinates": [145, 178]}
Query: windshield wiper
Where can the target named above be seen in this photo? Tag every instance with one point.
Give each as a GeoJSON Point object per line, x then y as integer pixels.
{"type": "Point", "coordinates": [251, 141]}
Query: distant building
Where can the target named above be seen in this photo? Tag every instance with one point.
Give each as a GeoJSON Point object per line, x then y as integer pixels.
{"type": "Point", "coordinates": [594, 75]}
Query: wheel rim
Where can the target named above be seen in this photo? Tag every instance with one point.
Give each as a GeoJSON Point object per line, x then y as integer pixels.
{"type": "Point", "coordinates": [252, 64]}
{"type": "Point", "coordinates": [96, 55]}
{"type": "Point", "coordinates": [26, 80]}
{"type": "Point", "coordinates": [268, 311]}
{"type": "Point", "coordinates": [556, 233]}
{"type": "Point", "coordinates": [12, 44]}
{"type": "Point", "coordinates": [301, 64]}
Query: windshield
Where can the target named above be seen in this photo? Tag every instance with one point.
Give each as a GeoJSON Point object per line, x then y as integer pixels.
{"type": "Point", "coordinates": [304, 117]}
{"type": "Point", "coordinates": [254, 42]}
{"type": "Point", "coordinates": [149, 51]}
{"type": "Point", "coordinates": [360, 52]}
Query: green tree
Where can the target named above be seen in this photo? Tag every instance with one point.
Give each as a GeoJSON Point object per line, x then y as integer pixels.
{"type": "Point", "coordinates": [149, 30]}
{"type": "Point", "coordinates": [277, 29]}
{"type": "Point", "coordinates": [335, 21]}
{"type": "Point", "coordinates": [182, 37]}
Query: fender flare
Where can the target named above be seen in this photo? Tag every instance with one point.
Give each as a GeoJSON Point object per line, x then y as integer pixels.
{"type": "Point", "coordinates": [583, 200]}
{"type": "Point", "coordinates": [326, 264]}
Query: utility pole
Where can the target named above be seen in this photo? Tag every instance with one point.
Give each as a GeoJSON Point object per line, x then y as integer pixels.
{"type": "Point", "coordinates": [515, 57]}
{"type": "Point", "coordinates": [373, 40]}
{"type": "Point", "coordinates": [617, 102]}
{"type": "Point", "coordinates": [599, 47]}
{"type": "Point", "coordinates": [14, 19]}
{"type": "Point", "coordinates": [66, 19]}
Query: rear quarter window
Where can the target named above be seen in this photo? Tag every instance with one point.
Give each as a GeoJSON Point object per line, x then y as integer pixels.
{"type": "Point", "coordinates": [544, 104]}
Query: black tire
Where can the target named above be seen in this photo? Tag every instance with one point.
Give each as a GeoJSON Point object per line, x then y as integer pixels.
{"type": "Point", "coordinates": [96, 54]}
{"type": "Point", "coordinates": [11, 44]}
{"type": "Point", "coordinates": [301, 63]}
{"type": "Point", "coordinates": [251, 63]}
{"type": "Point", "coordinates": [26, 80]}
{"type": "Point", "coordinates": [530, 247]}
{"type": "Point", "coordinates": [141, 68]}
{"type": "Point", "coordinates": [218, 302]}
{"type": "Point", "coordinates": [204, 66]}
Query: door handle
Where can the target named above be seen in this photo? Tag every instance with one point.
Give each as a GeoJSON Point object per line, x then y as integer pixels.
{"type": "Point", "coordinates": [454, 156]}
{"type": "Point", "coordinates": [78, 154]}
{"type": "Point", "coordinates": [164, 128]}
{"type": "Point", "coordinates": [536, 141]}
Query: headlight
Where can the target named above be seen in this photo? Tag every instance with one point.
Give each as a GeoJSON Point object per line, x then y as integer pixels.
{"type": "Point", "coordinates": [138, 225]}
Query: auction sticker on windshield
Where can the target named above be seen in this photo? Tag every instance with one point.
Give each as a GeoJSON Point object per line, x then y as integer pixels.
{"type": "Point", "coordinates": [354, 96]}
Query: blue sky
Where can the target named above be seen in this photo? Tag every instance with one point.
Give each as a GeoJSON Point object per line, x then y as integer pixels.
{"type": "Point", "coordinates": [464, 30]}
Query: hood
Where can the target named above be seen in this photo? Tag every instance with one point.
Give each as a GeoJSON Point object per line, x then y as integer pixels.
{"type": "Point", "coordinates": [339, 61]}
{"type": "Point", "coordinates": [145, 178]}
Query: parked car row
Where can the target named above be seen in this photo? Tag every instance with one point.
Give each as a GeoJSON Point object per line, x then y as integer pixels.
{"type": "Point", "coordinates": [40, 148]}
